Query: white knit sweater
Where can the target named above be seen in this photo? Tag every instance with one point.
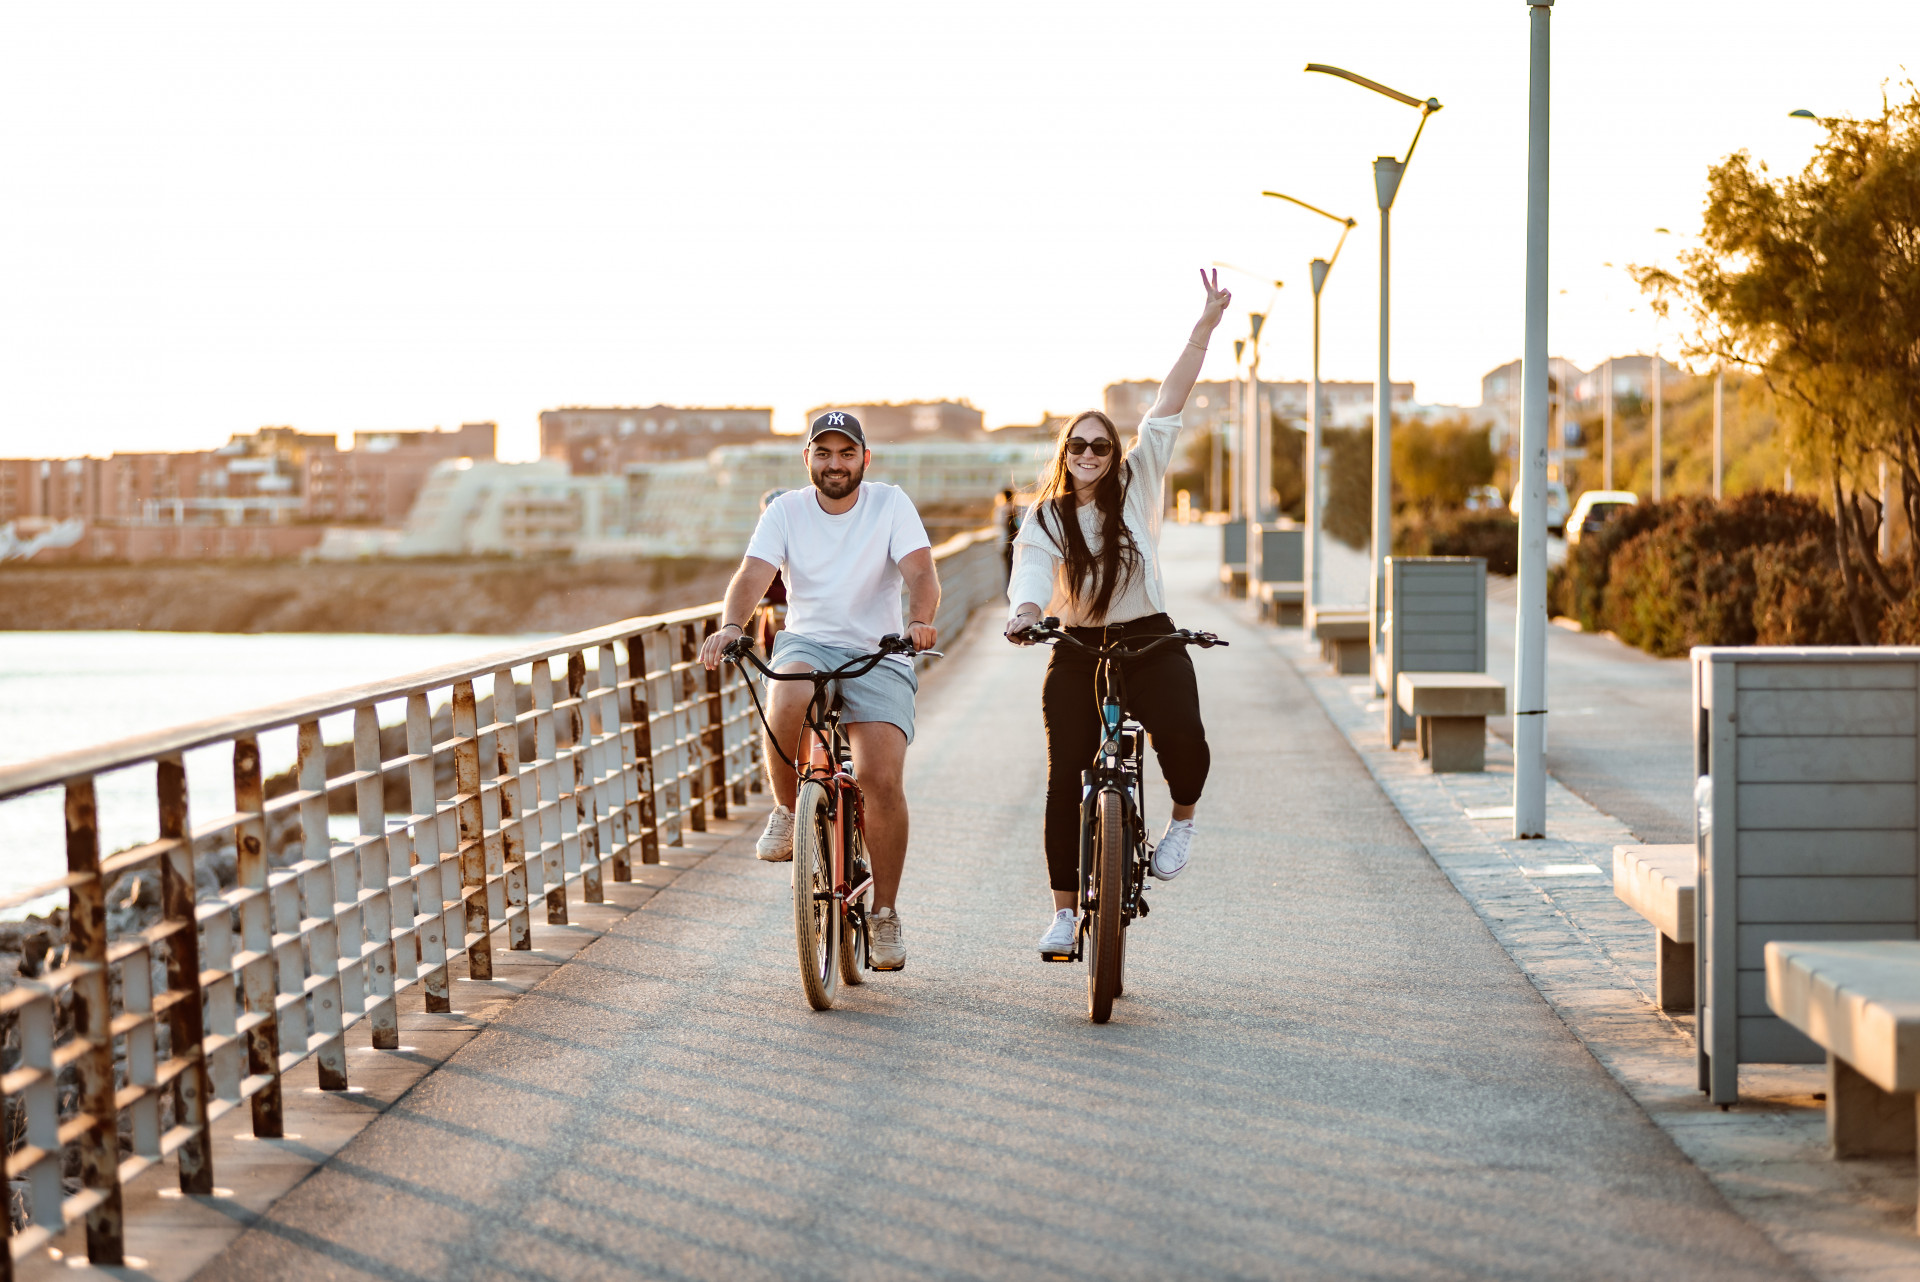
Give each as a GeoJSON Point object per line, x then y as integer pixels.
{"type": "Point", "coordinates": [1039, 571]}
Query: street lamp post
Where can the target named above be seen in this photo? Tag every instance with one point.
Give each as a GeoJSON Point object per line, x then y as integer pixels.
{"type": "Point", "coordinates": [1606, 428]}
{"type": "Point", "coordinates": [1658, 453]}
{"type": "Point", "coordinates": [1320, 268]}
{"type": "Point", "coordinates": [1387, 173]}
{"type": "Point", "coordinates": [1530, 624]}
{"type": "Point", "coordinates": [1254, 475]}
{"type": "Point", "coordinates": [1719, 388]}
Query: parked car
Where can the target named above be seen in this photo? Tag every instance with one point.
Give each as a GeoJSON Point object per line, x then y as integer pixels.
{"type": "Point", "coordinates": [1595, 509]}
{"type": "Point", "coordinates": [1484, 498]}
{"type": "Point", "coordinates": [1557, 506]}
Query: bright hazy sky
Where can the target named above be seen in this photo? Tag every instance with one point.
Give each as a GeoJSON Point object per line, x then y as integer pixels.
{"type": "Point", "coordinates": [350, 216]}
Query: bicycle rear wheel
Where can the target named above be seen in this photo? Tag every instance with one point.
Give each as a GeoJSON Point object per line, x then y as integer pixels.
{"type": "Point", "coordinates": [816, 918]}
{"type": "Point", "coordinates": [1104, 931]}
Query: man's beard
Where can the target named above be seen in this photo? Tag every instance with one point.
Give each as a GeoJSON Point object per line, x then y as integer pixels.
{"type": "Point", "coordinates": [837, 483]}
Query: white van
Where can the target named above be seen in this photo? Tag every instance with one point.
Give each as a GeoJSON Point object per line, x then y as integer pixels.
{"type": "Point", "coordinates": [1556, 506]}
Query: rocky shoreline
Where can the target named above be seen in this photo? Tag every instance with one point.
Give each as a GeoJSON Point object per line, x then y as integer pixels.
{"type": "Point", "coordinates": [417, 597]}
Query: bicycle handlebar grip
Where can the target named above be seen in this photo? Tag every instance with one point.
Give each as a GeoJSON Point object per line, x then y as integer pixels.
{"type": "Point", "coordinates": [737, 648]}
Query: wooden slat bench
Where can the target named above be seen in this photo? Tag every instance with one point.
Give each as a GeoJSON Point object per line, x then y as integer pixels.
{"type": "Point", "coordinates": [1859, 1000]}
{"type": "Point", "coordinates": [1343, 638]}
{"type": "Point", "coordinates": [1806, 798]}
{"type": "Point", "coordinates": [1657, 882]}
{"type": "Point", "coordinates": [1450, 711]}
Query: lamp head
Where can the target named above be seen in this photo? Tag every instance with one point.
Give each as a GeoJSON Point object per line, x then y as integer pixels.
{"type": "Point", "coordinates": [1802, 114]}
{"type": "Point", "coordinates": [1258, 320]}
{"type": "Point", "coordinates": [1239, 346]}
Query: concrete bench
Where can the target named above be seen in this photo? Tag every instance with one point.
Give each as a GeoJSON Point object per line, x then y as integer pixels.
{"type": "Point", "coordinates": [1858, 1000]}
{"type": "Point", "coordinates": [1450, 711]}
{"type": "Point", "coordinates": [1343, 637]}
{"type": "Point", "coordinates": [1657, 882]}
{"type": "Point", "coordinates": [1282, 603]}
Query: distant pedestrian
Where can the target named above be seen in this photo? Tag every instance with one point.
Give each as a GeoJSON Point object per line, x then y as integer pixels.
{"type": "Point", "coordinates": [1007, 517]}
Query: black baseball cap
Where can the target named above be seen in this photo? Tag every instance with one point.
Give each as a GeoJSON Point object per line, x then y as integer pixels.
{"type": "Point", "coordinates": [837, 421]}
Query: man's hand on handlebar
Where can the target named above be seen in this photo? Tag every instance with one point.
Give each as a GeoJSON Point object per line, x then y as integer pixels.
{"type": "Point", "coordinates": [923, 635]}
{"type": "Point", "coordinates": [712, 649]}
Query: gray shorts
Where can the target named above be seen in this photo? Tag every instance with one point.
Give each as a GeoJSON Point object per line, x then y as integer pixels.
{"type": "Point", "coordinates": [885, 694]}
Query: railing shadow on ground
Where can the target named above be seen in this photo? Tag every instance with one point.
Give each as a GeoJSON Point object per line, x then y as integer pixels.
{"type": "Point", "coordinates": [561, 765]}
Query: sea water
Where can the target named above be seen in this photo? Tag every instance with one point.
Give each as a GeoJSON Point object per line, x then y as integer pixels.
{"type": "Point", "coordinates": [61, 691]}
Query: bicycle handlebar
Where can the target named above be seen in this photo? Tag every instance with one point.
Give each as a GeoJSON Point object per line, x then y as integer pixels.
{"type": "Point", "coordinates": [1049, 629]}
{"type": "Point", "coordinates": [741, 648]}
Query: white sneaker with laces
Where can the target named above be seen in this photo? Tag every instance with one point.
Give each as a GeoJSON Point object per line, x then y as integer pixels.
{"type": "Point", "coordinates": [1057, 943]}
{"type": "Point", "coordinates": [776, 843]}
{"type": "Point", "coordinates": [883, 940]}
{"type": "Point", "coordinates": [1170, 856]}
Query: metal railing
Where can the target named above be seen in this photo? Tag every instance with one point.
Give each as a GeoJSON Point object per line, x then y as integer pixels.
{"type": "Point", "coordinates": [593, 751]}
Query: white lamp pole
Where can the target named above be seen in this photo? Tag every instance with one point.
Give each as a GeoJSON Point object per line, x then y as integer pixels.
{"type": "Point", "coordinates": [1387, 172]}
{"type": "Point", "coordinates": [1656, 380]}
{"type": "Point", "coordinates": [1606, 429]}
{"type": "Point", "coordinates": [1316, 491]}
{"type": "Point", "coordinates": [1530, 625]}
{"type": "Point", "coordinates": [1719, 388]}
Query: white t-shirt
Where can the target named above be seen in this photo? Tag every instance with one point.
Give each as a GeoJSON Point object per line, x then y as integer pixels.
{"type": "Point", "coordinates": [842, 572]}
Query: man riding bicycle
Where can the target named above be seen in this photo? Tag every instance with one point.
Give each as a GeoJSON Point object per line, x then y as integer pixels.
{"type": "Point", "coordinates": [844, 547]}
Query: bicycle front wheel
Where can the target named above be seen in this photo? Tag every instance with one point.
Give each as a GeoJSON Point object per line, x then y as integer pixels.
{"type": "Point", "coordinates": [850, 959]}
{"type": "Point", "coordinates": [1109, 889]}
{"type": "Point", "coordinates": [816, 917]}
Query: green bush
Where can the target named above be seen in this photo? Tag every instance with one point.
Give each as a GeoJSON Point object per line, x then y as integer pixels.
{"type": "Point", "coordinates": [1757, 569]}
{"type": "Point", "coordinates": [1493, 535]}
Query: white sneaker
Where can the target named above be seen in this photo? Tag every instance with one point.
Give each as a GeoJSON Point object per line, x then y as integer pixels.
{"type": "Point", "coordinates": [1170, 856]}
{"type": "Point", "coordinates": [1057, 943]}
{"type": "Point", "coordinates": [776, 843]}
{"type": "Point", "coordinates": [883, 940]}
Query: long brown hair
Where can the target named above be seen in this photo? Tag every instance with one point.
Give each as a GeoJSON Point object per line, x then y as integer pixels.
{"type": "Point", "coordinates": [1092, 579]}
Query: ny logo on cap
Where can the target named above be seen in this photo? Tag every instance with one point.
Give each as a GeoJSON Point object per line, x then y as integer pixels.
{"type": "Point", "coordinates": [837, 419]}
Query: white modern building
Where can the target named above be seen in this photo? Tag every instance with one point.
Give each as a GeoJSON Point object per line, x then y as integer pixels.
{"type": "Point", "coordinates": [690, 507]}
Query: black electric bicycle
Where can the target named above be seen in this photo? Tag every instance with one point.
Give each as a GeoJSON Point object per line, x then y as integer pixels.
{"type": "Point", "coordinates": [1114, 854]}
{"type": "Point", "coordinates": [832, 882]}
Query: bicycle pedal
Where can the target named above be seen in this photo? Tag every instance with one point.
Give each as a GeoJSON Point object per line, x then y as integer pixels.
{"type": "Point", "coordinates": [1056, 957]}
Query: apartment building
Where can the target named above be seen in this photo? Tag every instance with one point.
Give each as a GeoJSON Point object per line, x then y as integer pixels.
{"type": "Point", "coordinates": [604, 441]}
{"type": "Point", "coordinates": [912, 420]}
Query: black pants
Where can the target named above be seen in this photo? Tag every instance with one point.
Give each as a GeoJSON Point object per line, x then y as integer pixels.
{"type": "Point", "coordinates": [1159, 691]}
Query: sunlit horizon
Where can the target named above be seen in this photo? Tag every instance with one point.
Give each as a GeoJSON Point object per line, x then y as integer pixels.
{"type": "Point", "coordinates": [356, 218]}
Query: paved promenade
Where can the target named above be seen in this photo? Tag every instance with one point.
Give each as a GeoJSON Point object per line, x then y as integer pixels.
{"type": "Point", "coordinates": [1325, 1066]}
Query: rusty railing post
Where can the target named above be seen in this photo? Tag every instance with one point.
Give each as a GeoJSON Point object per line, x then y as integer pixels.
{"type": "Point", "coordinates": [687, 697]}
{"type": "Point", "coordinates": [472, 834]}
{"type": "Point", "coordinates": [546, 754]}
{"type": "Point", "coordinates": [644, 778]}
{"type": "Point", "coordinates": [99, 1145]}
{"type": "Point", "coordinates": [257, 988]}
{"type": "Point", "coordinates": [513, 810]}
{"type": "Point", "coordinates": [586, 823]}
{"type": "Point", "coordinates": [186, 1031]}
{"type": "Point", "coordinates": [716, 733]}
{"type": "Point", "coordinates": [321, 894]}
{"type": "Point", "coordinates": [429, 875]}
{"type": "Point", "coordinates": [376, 866]}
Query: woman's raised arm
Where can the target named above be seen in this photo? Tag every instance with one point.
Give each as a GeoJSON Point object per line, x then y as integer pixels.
{"type": "Point", "coordinates": [1179, 381]}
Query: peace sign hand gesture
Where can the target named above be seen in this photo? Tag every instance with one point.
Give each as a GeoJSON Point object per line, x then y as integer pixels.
{"type": "Point", "coordinates": [1218, 298]}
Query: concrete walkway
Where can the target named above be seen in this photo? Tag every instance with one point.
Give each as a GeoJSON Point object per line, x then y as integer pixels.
{"type": "Point", "coordinates": [1324, 1066]}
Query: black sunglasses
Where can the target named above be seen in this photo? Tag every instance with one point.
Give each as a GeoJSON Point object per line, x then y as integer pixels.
{"type": "Point", "coordinates": [1080, 445]}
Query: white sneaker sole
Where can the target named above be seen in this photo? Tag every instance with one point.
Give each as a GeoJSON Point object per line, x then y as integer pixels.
{"type": "Point", "coordinates": [780, 857]}
{"type": "Point", "coordinates": [1153, 871]}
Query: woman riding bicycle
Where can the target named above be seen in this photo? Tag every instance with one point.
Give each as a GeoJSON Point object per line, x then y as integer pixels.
{"type": "Point", "coordinates": [1089, 550]}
